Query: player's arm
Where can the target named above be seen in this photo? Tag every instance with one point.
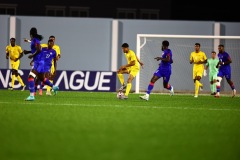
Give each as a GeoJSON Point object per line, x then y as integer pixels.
{"type": "Point", "coordinates": [191, 59]}
{"type": "Point", "coordinates": [58, 50]}
{"type": "Point", "coordinates": [20, 56]}
{"type": "Point", "coordinates": [38, 50]}
{"type": "Point", "coordinates": [26, 52]}
{"type": "Point", "coordinates": [55, 62]}
{"type": "Point", "coordinates": [132, 63]}
{"type": "Point", "coordinates": [206, 66]}
{"type": "Point", "coordinates": [27, 40]}
{"type": "Point", "coordinates": [141, 63]}
{"type": "Point", "coordinates": [31, 63]}
{"type": "Point", "coordinates": [7, 53]}
{"type": "Point", "coordinates": [167, 59]}
{"type": "Point", "coordinates": [229, 60]}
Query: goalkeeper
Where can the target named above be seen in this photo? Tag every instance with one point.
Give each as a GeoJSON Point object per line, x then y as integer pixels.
{"type": "Point", "coordinates": [213, 71]}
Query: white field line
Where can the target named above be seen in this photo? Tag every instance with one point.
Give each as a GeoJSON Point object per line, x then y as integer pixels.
{"type": "Point", "coordinates": [150, 107]}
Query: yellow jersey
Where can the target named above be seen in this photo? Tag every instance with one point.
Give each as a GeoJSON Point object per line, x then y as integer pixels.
{"type": "Point", "coordinates": [130, 56]}
{"type": "Point", "coordinates": [55, 47]}
{"type": "Point", "coordinates": [14, 52]}
{"type": "Point", "coordinates": [197, 57]}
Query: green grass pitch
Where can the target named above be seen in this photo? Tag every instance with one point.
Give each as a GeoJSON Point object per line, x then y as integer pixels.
{"type": "Point", "coordinates": [98, 126]}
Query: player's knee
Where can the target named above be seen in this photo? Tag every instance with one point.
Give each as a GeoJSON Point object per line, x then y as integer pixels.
{"type": "Point", "coordinates": [32, 74]}
{"type": "Point", "coordinates": [219, 79]}
{"type": "Point", "coordinates": [198, 78]}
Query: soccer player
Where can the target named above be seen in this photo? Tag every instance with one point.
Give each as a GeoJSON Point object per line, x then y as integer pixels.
{"type": "Point", "coordinates": [37, 62]}
{"type": "Point", "coordinates": [213, 71]}
{"type": "Point", "coordinates": [164, 71]}
{"type": "Point", "coordinates": [54, 63]}
{"type": "Point", "coordinates": [198, 59]}
{"type": "Point", "coordinates": [15, 53]}
{"type": "Point", "coordinates": [224, 70]}
{"type": "Point", "coordinates": [48, 55]}
{"type": "Point", "coordinates": [131, 68]}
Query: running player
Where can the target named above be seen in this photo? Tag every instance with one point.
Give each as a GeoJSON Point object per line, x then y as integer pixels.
{"type": "Point", "coordinates": [164, 71]}
{"type": "Point", "coordinates": [54, 63]}
{"type": "Point", "coordinates": [198, 59]}
{"type": "Point", "coordinates": [131, 68]}
{"type": "Point", "coordinates": [37, 62]}
{"type": "Point", "coordinates": [15, 53]}
{"type": "Point", "coordinates": [224, 70]}
{"type": "Point", "coordinates": [213, 71]}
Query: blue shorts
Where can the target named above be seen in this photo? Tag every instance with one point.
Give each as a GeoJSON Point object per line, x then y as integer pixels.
{"type": "Point", "coordinates": [163, 73]}
{"type": "Point", "coordinates": [225, 73]}
{"type": "Point", "coordinates": [41, 67]}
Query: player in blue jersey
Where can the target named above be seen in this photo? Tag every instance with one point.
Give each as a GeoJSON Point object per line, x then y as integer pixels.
{"type": "Point", "coordinates": [35, 55]}
{"type": "Point", "coordinates": [164, 71]}
{"type": "Point", "coordinates": [224, 70]}
{"type": "Point", "coordinates": [49, 55]}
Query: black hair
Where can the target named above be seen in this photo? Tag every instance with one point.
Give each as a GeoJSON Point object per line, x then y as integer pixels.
{"type": "Point", "coordinates": [197, 44]}
{"type": "Point", "coordinates": [12, 39]}
{"type": "Point", "coordinates": [33, 32]}
{"type": "Point", "coordinates": [221, 45]}
{"type": "Point", "coordinates": [51, 36]}
{"type": "Point", "coordinates": [213, 52]}
{"type": "Point", "coordinates": [165, 43]}
{"type": "Point", "coordinates": [125, 45]}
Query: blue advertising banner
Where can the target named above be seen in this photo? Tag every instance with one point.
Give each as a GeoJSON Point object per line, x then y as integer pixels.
{"type": "Point", "coordinates": [98, 81]}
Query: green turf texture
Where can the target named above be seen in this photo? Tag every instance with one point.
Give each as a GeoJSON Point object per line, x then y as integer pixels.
{"type": "Point", "coordinates": [98, 126]}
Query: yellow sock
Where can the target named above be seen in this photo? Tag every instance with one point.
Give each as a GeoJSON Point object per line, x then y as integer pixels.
{"type": "Point", "coordinates": [196, 87]}
{"type": "Point", "coordinates": [13, 80]}
{"type": "Point", "coordinates": [129, 86]}
{"type": "Point", "coordinates": [20, 80]}
{"type": "Point", "coordinates": [121, 78]}
{"type": "Point", "coordinates": [48, 87]}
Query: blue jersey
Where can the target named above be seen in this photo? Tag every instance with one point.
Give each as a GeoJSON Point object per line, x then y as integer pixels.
{"type": "Point", "coordinates": [45, 60]}
{"type": "Point", "coordinates": [34, 41]}
{"type": "Point", "coordinates": [166, 65]}
{"type": "Point", "coordinates": [48, 55]}
{"type": "Point", "coordinates": [224, 70]}
{"type": "Point", "coordinates": [224, 57]}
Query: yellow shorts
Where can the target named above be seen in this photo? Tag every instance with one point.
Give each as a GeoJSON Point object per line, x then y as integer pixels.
{"type": "Point", "coordinates": [133, 71]}
{"type": "Point", "coordinates": [15, 65]}
{"type": "Point", "coordinates": [197, 72]}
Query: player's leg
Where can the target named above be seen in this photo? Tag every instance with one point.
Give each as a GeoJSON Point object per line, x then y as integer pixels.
{"type": "Point", "coordinates": [231, 84]}
{"type": "Point", "coordinates": [51, 80]}
{"type": "Point", "coordinates": [166, 85]}
{"type": "Point", "coordinates": [16, 67]}
{"type": "Point", "coordinates": [21, 81]}
{"type": "Point", "coordinates": [13, 76]}
{"type": "Point", "coordinates": [155, 77]}
{"type": "Point", "coordinates": [36, 82]}
{"type": "Point", "coordinates": [13, 79]}
{"type": "Point", "coordinates": [121, 78]}
{"type": "Point", "coordinates": [32, 75]}
{"type": "Point", "coordinates": [214, 83]}
{"type": "Point", "coordinates": [211, 83]}
{"type": "Point", "coordinates": [47, 82]}
{"type": "Point", "coordinates": [218, 84]}
{"type": "Point", "coordinates": [198, 85]}
{"type": "Point", "coordinates": [132, 75]}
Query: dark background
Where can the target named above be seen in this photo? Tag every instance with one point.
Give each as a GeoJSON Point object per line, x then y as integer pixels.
{"type": "Point", "coordinates": [201, 10]}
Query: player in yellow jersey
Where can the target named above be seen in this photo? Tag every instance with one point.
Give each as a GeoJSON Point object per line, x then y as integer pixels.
{"type": "Point", "coordinates": [198, 58]}
{"type": "Point", "coordinates": [131, 68]}
{"type": "Point", "coordinates": [14, 52]}
{"type": "Point", "coordinates": [54, 65]}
